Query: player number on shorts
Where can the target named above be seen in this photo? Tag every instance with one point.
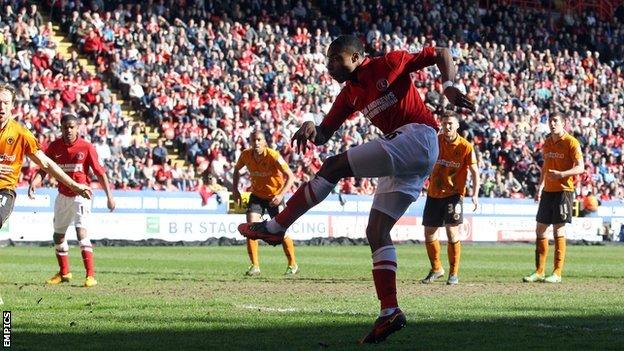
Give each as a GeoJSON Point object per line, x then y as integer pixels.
{"type": "Point", "coordinates": [3, 200]}
{"type": "Point", "coordinates": [451, 208]}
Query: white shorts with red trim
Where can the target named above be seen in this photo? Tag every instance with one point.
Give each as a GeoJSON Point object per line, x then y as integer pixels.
{"type": "Point", "coordinates": [70, 210]}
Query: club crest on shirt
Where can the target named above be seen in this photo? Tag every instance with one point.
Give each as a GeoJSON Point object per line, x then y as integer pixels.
{"type": "Point", "coordinates": [80, 156]}
{"type": "Point", "coordinates": [382, 84]}
{"type": "Point", "coordinates": [10, 140]}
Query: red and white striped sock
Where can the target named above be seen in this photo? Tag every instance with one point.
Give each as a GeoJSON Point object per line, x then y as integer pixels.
{"type": "Point", "coordinates": [62, 257]}
{"type": "Point", "coordinates": [86, 249]}
{"type": "Point", "coordinates": [384, 276]}
{"type": "Point", "coordinates": [307, 196]}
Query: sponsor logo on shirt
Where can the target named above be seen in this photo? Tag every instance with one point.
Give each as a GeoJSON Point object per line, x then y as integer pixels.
{"type": "Point", "coordinates": [379, 105]}
{"type": "Point", "coordinates": [449, 164]}
{"type": "Point", "coordinates": [260, 174]}
{"type": "Point", "coordinates": [6, 157]}
{"type": "Point", "coordinates": [553, 154]}
{"type": "Point", "coordinates": [71, 167]}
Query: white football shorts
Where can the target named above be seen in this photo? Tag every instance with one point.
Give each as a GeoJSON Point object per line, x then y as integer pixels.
{"type": "Point", "coordinates": [402, 160]}
{"type": "Point", "coordinates": [70, 210]}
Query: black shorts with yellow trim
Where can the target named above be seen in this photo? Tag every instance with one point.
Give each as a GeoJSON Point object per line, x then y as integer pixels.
{"type": "Point", "coordinates": [555, 207]}
{"type": "Point", "coordinates": [261, 206]}
{"type": "Point", "coordinates": [440, 212]}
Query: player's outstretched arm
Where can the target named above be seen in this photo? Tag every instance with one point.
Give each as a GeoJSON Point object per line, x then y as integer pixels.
{"type": "Point", "coordinates": [445, 64]}
{"type": "Point", "coordinates": [110, 201]}
{"type": "Point", "coordinates": [49, 166]}
{"type": "Point", "coordinates": [474, 171]}
{"type": "Point", "coordinates": [35, 182]}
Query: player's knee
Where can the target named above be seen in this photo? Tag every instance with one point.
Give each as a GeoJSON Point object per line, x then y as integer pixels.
{"type": "Point", "coordinates": [452, 235]}
{"type": "Point", "coordinates": [62, 246]}
{"type": "Point", "coordinates": [58, 238]}
{"type": "Point", "coordinates": [84, 242]}
{"type": "Point", "coordinates": [335, 168]}
{"type": "Point", "coordinates": [559, 231]}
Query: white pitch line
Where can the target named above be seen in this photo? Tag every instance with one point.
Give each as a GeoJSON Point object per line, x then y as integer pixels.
{"type": "Point", "coordinates": [300, 310]}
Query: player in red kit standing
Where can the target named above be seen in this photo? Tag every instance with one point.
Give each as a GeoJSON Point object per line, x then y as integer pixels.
{"type": "Point", "coordinates": [382, 90]}
{"type": "Point", "coordinates": [76, 157]}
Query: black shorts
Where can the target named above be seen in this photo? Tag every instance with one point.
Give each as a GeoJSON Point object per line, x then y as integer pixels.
{"type": "Point", "coordinates": [261, 206]}
{"type": "Point", "coordinates": [7, 200]}
{"type": "Point", "coordinates": [440, 212]}
{"type": "Point", "coordinates": [555, 207]}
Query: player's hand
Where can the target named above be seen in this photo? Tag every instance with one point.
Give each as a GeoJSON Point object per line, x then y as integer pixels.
{"type": "Point", "coordinates": [5, 169]}
{"type": "Point", "coordinates": [554, 174]}
{"type": "Point", "coordinates": [538, 196]}
{"type": "Point", "coordinates": [110, 203]}
{"type": "Point", "coordinates": [475, 202]}
{"type": "Point", "coordinates": [82, 190]}
{"type": "Point", "coordinates": [456, 98]}
{"type": "Point", "coordinates": [306, 133]}
{"type": "Point", "coordinates": [276, 200]}
{"type": "Point", "coordinates": [236, 197]}
{"type": "Point", "coordinates": [31, 192]}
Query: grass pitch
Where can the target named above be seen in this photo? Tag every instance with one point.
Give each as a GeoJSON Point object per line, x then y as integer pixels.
{"type": "Point", "coordinates": [196, 298]}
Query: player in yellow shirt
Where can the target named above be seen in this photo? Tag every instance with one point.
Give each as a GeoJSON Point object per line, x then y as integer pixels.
{"type": "Point", "coordinates": [16, 142]}
{"type": "Point", "coordinates": [563, 160]}
{"type": "Point", "coordinates": [444, 205]}
{"type": "Point", "coordinates": [270, 179]}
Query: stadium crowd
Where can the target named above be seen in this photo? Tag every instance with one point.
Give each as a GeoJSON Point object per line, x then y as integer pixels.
{"type": "Point", "coordinates": [49, 86]}
{"type": "Point", "coordinates": [209, 73]}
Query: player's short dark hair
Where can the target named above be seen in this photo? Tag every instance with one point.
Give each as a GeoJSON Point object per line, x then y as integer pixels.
{"type": "Point", "coordinates": [349, 43]}
{"type": "Point", "coordinates": [69, 117]}
{"type": "Point", "coordinates": [8, 87]}
{"type": "Point", "coordinates": [450, 114]}
{"type": "Point", "coordinates": [557, 114]}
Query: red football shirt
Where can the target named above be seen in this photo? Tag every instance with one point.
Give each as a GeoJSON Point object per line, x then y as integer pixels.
{"type": "Point", "coordinates": [384, 93]}
{"type": "Point", "coordinates": [75, 159]}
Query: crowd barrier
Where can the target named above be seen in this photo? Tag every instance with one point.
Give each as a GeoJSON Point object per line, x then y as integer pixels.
{"type": "Point", "coordinates": [180, 216]}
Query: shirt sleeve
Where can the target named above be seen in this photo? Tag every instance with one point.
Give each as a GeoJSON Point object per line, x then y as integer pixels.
{"type": "Point", "coordinates": [241, 160]}
{"type": "Point", "coordinates": [471, 158]}
{"type": "Point", "coordinates": [340, 110]}
{"type": "Point", "coordinates": [575, 150]}
{"type": "Point", "coordinates": [404, 61]}
{"type": "Point", "coordinates": [94, 161]}
{"type": "Point", "coordinates": [280, 162]}
{"type": "Point", "coordinates": [31, 145]}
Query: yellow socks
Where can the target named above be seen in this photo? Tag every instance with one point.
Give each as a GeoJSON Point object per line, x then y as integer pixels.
{"type": "Point", "coordinates": [454, 254]}
{"type": "Point", "coordinates": [541, 251]}
{"type": "Point", "coordinates": [252, 251]}
{"type": "Point", "coordinates": [289, 250]}
{"type": "Point", "coordinates": [433, 251]}
{"type": "Point", "coordinates": [560, 251]}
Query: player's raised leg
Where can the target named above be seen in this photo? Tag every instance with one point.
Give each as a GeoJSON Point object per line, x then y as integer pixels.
{"type": "Point", "coordinates": [307, 196]}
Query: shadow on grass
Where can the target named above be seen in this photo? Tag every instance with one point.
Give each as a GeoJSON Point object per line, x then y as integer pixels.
{"type": "Point", "coordinates": [563, 333]}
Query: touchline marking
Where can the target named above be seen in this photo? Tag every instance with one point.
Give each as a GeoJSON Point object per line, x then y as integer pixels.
{"type": "Point", "coordinates": [303, 310]}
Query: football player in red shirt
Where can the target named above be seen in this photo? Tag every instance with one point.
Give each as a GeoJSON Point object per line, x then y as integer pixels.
{"type": "Point", "coordinates": [382, 90]}
{"type": "Point", "coordinates": [76, 157]}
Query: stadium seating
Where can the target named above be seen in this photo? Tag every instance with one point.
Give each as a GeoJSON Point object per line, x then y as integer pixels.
{"type": "Point", "coordinates": [209, 76]}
